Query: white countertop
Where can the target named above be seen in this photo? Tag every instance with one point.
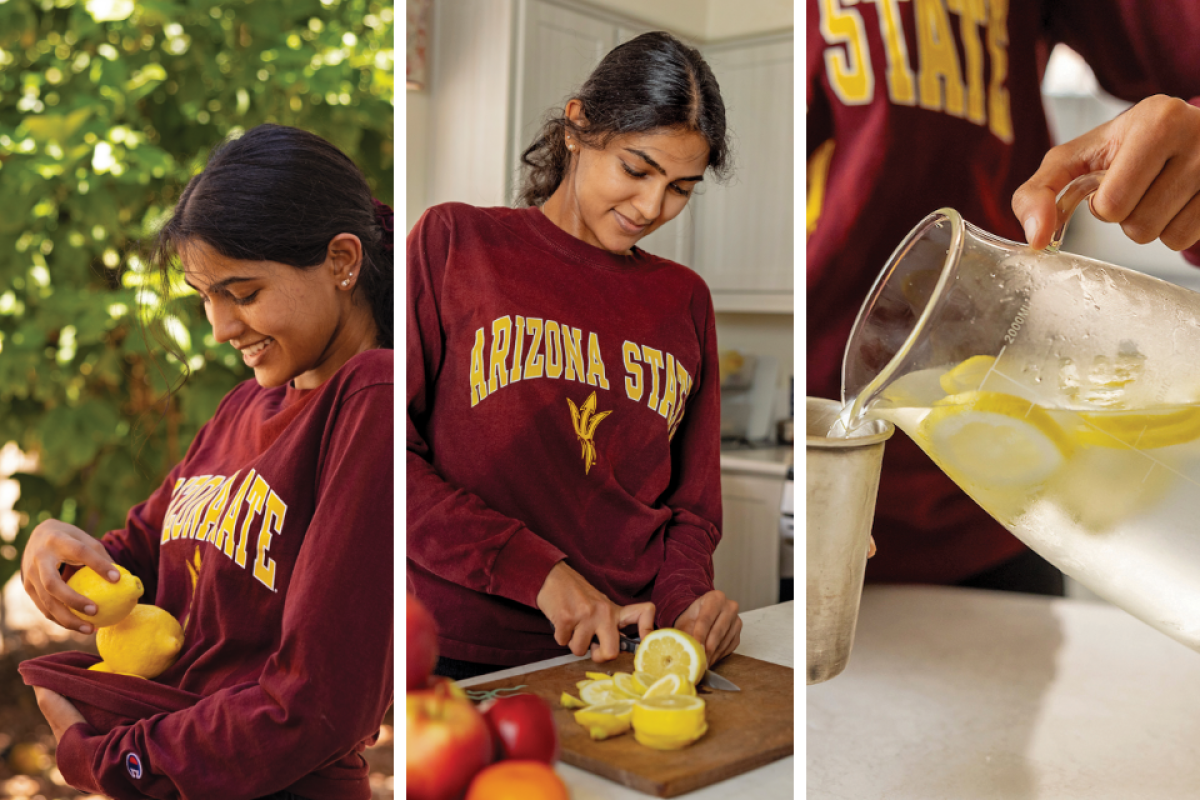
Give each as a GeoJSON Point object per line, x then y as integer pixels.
{"type": "Point", "coordinates": [768, 461]}
{"type": "Point", "coordinates": [962, 694]}
{"type": "Point", "coordinates": [767, 634]}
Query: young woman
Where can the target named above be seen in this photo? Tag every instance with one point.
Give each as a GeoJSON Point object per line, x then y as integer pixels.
{"type": "Point", "coordinates": [563, 398]}
{"type": "Point", "coordinates": [271, 542]}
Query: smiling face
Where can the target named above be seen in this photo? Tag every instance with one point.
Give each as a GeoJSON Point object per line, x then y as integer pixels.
{"type": "Point", "coordinates": [613, 196]}
{"type": "Point", "coordinates": [289, 324]}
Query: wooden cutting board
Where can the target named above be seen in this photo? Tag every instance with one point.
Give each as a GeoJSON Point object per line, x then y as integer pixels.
{"type": "Point", "coordinates": [746, 729]}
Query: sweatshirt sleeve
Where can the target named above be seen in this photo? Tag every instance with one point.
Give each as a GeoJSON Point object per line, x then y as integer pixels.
{"type": "Point", "coordinates": [451, 532]}
{"type": "Point", "coordinates": [329, 682]}
{"type": "Point", "coordinates": [694, 495]}
{"type": "Point", "coordinates": [1135, 49]}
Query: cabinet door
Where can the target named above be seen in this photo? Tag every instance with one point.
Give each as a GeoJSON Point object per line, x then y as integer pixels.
{"type": "Point", "coordinates": [558, 48]}
{"type": "Point", "coordinates": [744, 240]}
{"type": "Point", "coordinates": [746, 562]}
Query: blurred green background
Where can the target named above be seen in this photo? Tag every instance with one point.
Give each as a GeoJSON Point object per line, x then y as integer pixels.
{"type": "Point", "coordinates": [107, 107]}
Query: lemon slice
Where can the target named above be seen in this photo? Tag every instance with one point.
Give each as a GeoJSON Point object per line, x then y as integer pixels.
{"type": "Point", "coordinates": [967, 376]}
{"type": "Point", "coordinates": [669, 722]}
{"type": "Point", "coordinates": [600, 692]}
{"type": "Point", "coordinates": [666, 649]}
{"type": "Point", "coordinates": [609, 719]}
{"type": "Point", "coordinates": [671, 683]}
{"type": "Point", "coordinates": [570, 701]}
{"type": "Point", "coordinates": [624, 684]}
{"type": "Point", "coordinates": [1144, 429]}
{"type": "Point", "coordinates": [643, 681]}
{"type": "Point", "coordinates": [581, 684]}
{"type": "Point", "coordinates": [598, 676]}
{"type": "Point", "coordinates": [994, 439]}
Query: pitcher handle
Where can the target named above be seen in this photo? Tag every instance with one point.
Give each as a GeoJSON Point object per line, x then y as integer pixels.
{"type": "Point", "coordinates": [1069, 199]}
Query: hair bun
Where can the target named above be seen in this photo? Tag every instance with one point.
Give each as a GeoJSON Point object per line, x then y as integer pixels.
{"type": "Point", "coordinates": [387, 221]}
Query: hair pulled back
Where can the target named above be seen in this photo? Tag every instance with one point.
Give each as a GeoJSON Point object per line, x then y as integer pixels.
{"type": "Point", "coordinates": [278, 193]}
{"type": "Point", "coordinates": [651, 83]}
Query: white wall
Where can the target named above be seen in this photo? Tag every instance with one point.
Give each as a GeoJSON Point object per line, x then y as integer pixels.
{"type": "Point", "coordinates": [708, 20]}
{"type": "Point", "coordinates": [416, 148]}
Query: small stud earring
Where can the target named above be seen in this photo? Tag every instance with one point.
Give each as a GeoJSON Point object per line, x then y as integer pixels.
{"type": "Point", "coordinates": [345, 283]}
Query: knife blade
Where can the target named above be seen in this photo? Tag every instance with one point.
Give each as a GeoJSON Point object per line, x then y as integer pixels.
{"type": "Point", "coordinates": [711, 679]}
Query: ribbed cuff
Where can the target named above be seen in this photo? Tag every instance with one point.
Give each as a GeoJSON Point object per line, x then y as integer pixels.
{"type": "Point", "coordinates": [522, 565]}
{"type": "Point", "coordinates": [75, 757]}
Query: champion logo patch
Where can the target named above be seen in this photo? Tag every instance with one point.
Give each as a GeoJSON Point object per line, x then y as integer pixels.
{"type": "Point", "coordinates": [133, 765]}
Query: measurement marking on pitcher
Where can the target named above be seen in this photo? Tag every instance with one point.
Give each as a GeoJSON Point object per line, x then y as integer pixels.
{"type": "Point", "coordinates": [1017, 323]}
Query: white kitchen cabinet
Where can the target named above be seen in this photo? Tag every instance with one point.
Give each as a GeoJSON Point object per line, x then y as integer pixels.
{"type": "Point", "coordinates": [746, 562]}
{"type": "Point", "coordinates": [501, 66]}
{"type": "Point", "coordinates": [744, 229]}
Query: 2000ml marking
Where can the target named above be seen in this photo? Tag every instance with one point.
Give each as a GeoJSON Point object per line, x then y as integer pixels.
{"type": "Point", "coordinates": [1017, 323]}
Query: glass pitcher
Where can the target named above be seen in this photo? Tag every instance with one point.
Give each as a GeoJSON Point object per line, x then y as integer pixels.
{"type": "Point", "coordinates": [1061, 393]}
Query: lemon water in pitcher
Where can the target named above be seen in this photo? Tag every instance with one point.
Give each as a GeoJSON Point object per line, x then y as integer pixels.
{"type": "Point", "coordinates": [1061, 393]}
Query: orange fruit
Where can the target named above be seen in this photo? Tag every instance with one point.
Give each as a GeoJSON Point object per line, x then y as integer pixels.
{"type": "Point", "coordinates": [518, 780]}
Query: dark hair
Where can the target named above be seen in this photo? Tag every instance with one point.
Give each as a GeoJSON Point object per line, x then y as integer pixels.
{"type": "Point", "coordinates": [653, 82]}
{"type": "Point", "coordinates": [281, 194]}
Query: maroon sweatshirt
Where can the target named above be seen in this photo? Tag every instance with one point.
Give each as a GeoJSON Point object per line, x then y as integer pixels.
{"type": "Point", "coordinates": [563, 403]}
{"type": "Point", "coordinates": [271, 543]}
{"type": "Point", "coordinates": [938, 103]}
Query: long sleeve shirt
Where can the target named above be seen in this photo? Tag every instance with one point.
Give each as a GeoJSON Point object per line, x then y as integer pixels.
{"type": "Point", "coordinates": [271, 543]}
{"type": "Point", "coordinates": [563, 403]}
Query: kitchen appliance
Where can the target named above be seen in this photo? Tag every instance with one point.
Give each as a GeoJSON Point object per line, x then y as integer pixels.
{"type": "Point", "coordinates": [1060, 392]}
{"type": "Point", "coordinates": [747, 397]}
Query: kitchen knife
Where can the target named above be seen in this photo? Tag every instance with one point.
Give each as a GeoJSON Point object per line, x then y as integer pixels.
{"type": "Point", "coordinates": [711, 679]}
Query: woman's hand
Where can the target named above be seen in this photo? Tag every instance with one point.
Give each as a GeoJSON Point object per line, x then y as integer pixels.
{"type": "Point", "coordinates": [1153, 183]}
{"type": "Point", "coordinates": [579, 612]}
{"type": "Point", "coordinates": [713, 619]}
{"type": "Point", "coordinates": [51, 545]}
{"type": "Point", "coordinates": [58, 711]}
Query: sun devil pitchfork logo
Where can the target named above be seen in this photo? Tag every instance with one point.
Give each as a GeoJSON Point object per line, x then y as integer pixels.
{"type": "Point", "coordinates": [585, 419]}
{"type": "Point", "coordinates": [133, 765]}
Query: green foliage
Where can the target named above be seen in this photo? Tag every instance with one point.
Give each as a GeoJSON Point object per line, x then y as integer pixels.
{"type": "Point", "coordinates": [107, 107]}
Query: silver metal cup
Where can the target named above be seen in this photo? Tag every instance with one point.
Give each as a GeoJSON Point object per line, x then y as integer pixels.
{"type": "Point", "coordinates": [843, 478]}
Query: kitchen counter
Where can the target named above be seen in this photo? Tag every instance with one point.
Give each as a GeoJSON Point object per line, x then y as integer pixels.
{"type": "Point", "coordinates": [767, 634]}
{"type": "Point", "coordinates": [767, 461]}
{"type": "Point", "coordinates": [963, 693]}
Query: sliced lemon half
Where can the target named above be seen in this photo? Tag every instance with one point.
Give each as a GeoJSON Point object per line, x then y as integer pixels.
{"type": "Point", "coordinates": [995, 439]}
{"type": "Point", "coordinates": [1144, 429]}
{"type": "Point", "coordinates": [626, 685]}
{"type": "Point", "coordinates": [669, 722]}
{"type": "Point", "coordinates": [670, 650]}
{"type": "Point", "coordinates": [643, 681]}
{"type": "Point", "coordinates": [671, 683]}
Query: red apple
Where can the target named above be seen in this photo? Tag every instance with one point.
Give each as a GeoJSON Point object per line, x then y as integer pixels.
{"type": "Point", "coordinates": [422, 643]}
{"type": "Point", "coordinates": [448, 743]}
{"type": "Point", "coordinates": [523, 727]}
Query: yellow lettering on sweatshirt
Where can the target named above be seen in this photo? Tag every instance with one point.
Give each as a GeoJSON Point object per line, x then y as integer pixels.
{"type": "Point", "coordinates": [272, 525]}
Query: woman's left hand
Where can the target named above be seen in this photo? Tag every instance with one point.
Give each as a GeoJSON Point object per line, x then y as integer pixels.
{"type": "Point", "coordinates": [57, 710]}
{"type": "Point", "coordinates": [713, 620]}
{"type": "Point", "coordinates": [1152, 188]}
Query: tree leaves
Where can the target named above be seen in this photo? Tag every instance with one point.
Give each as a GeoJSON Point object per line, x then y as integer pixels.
{"type": "Point", "coordinates": [107, 108]}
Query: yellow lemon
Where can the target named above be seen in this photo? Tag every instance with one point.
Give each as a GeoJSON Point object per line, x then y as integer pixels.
{"type": "Point", "coordinates": [625, 684]}
{"type": "Point", "coordinates": [145, 643]}
{"type": "Point", "coordinates": [967, 376]}
{"type": "Point", "coordinates": [643, 681]}
{"type": "Point", "coordinates": [994, 439]}
{"type": "Point", "coordinates": [669, 650]}
{"type": "Point", "coordinates": [669, 722]}
{"type": "Point", "coordinates": [101, 666]}
{"type": "Point", "coordinates": [113, 600]}
{"type": "Point", "coordinates": [597, 676]}
{"type": "Point", "coordinates": [600, 692]}
{"type": "Point", "coordinates": [671, 683]}
{"type": "Point", "coordinates": [609, 719]}
{"type": "Point", "coordinates": [570, 701]}
{"type": "Point", "coordinates": [1145, 429]}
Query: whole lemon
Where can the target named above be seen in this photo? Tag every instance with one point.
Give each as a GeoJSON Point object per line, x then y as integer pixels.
{"type": "Point", "coordinates": [113, 600]}
{"type": "Point", "coordinates": [145, 643]}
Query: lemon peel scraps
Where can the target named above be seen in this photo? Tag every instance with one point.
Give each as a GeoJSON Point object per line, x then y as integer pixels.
{"type": "Point", "coordinates": [996, 439]}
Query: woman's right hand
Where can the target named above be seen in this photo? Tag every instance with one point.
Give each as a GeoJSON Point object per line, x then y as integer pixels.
{"type": "Point", "coordinates": [579, 611]}
{"type": "Point", "coordinates": [52, 544]}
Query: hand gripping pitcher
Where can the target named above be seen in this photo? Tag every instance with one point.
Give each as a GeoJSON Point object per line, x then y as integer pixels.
{"type": "Point", "coordinates": [1061, 393]}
